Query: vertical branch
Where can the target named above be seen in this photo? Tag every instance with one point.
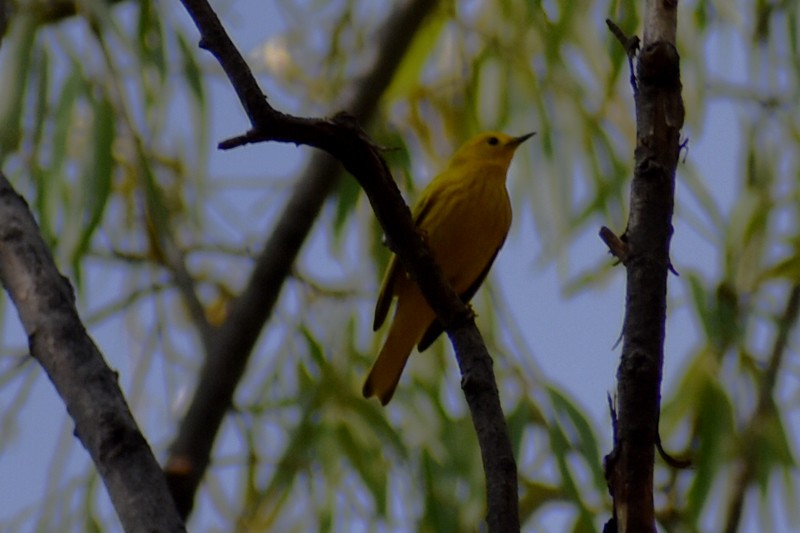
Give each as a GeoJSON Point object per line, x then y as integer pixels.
{"type": "Point", "coordinates": [659, 118]}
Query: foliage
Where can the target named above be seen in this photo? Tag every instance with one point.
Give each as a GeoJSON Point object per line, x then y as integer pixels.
{"type": "Point", "coordinates": [109, 118]}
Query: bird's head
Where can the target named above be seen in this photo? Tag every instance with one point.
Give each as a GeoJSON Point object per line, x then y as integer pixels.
{"type": "Point", "coordinates": [489, 147]}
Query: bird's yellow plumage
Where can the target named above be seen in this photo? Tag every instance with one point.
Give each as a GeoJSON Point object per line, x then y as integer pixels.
{"type": "Point", "coordinates": [465, 214]}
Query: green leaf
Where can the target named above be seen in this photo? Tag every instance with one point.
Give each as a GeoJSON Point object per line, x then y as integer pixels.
{"type": "Point", "coordinates": [793, 43]}
{"type": "Point", "coordinates": [192, 72]}
{"type": "Point", "coordinates": [91, 523]}
{"type": "Point", "coordinates": [150, 40]}
{"type": "Point", "coordinates": [373, 473]}
{"type": "Point", "coordinates": [347, 194]}
{"type": "Point", "coordinates": [441, 510]}
{"type": "Point", "coordinates": [41, 61]}
{"type": "Point", "coordinates": [700, 299]}
{"type": "Point", "coordinates": [719, 313]}
{"type": "Point", "coordinates": [72, 88]}
{"type": "Point", "coordinates": [96, 178]}
{"type": "Point", "coordinates": [727, 323]}
{"type": "Point", "coordinates": [583, 524]}
{"type": "Point", "coordinates": [536, 495]}
{"type": "Point", "coordinates": [787, 268]}
{"type": "Point", "coordinates": [582, 438]}
{"type": "Point", "coordinates": [714, 426]}
{"type": "Point", "coordinates": [156, 210]}
{"type": "Point", "coordinates": [16, 68]}
{"type": "Point", "coordinates": [517, 422]}
{"type": "Point", "coordinates": [407, 76]}
{"type": "Point", "coordinates": [52, 178]}
{"type": "Point", "coordinates": [297, 455]}
{"type": "Point", "coordinates": [568, 432]}
{"type": "Point", "coordinates": [698, 188]}
{"type": "Point", "coordinates": [369, 416]}
{"type": "Point", "coordinates": [771, 447]}
{"type": "Point", "coordinates": [314, 347]}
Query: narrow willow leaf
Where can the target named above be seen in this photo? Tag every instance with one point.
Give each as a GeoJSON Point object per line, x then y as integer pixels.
{"type": "Point", "coordinates": [97, 177]}
{"type": "Point", "coordinates": [407, 76]}
{"type": "Point", "coordinates": [150, 40]}
{"type": "Point", "coordinates": [192, 74]}
{"type": "Point", "coordinates": [16, 68]}
{"type": "Point", "coordinates": [369, 470]}
{"type": "Point", "coordinates": [584, 440]}
{"type": "Point", "coordinates": [536, 495]}
{"type": "Point", "coordinates": [714, 426]}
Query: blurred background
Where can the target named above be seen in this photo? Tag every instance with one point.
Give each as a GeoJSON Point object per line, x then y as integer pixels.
{"type": "Point", "coordinates": [109, 119]}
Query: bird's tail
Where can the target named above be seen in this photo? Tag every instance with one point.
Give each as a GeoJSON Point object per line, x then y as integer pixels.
{"type": "Point", "coordinates": [412, 318]}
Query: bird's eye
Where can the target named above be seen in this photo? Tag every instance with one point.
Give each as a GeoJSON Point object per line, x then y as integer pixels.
{"type": "Point", "coordinates": [493, 141]}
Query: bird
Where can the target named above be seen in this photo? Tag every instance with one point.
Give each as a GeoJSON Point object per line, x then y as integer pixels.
{"type": "Point", "coordinates": [464, 215]}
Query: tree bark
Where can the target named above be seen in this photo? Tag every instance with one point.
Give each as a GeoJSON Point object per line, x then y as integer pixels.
{"type": "Point", "coordinates": [229, 347]}
{"type": "Point", "coordinates": [59, 342]}
{"type": "Point", "coordinates": [645, 254]}
{"type": "Point", "coordinates": [343, 138]}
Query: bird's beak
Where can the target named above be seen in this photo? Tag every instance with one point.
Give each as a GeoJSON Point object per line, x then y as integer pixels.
{"type": "Point", "coordinates": [516, 141]}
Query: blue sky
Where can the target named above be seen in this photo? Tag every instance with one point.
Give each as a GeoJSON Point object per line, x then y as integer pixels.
{"type": "Point", "coordinates": [571, 338]}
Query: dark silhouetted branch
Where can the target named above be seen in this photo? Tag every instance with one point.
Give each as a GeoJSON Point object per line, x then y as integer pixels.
{"type": "Point", "coordinates": [59, 342]}
{"type": "Point", "coordinates": [659, 118]}
{"type": "Point", "coordinates": [233, 341]}
{"type": "Point", "coordinates": [343, 139]}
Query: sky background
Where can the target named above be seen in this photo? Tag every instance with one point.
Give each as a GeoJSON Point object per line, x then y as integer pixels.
{"type": "Point", "coordinates": [572, 339]}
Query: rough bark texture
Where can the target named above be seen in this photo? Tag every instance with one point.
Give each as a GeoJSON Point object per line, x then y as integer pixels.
{"type": "Point", "coordinates": [659, 118]}
{"type": "Point", "coordinates": [59, 342]}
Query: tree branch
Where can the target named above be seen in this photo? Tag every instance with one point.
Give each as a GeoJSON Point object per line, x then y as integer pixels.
{"type": "Point", "coordinates": [58, 340]}
{"type": "Point", "coordinates": [175, 262]}
{"type": "Point", "coordinates": [233, 341]}
{"type": "Point", "coordinates": [659, 118]}
{"type": "Point", "coordinates": [342, 138]}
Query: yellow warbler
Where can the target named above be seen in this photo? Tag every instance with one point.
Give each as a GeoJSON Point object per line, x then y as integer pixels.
{"type": "Point", "coordinates": [464, 214]}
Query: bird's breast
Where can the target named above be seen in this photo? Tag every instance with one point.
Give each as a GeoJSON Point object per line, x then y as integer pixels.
{"type": "Point", "coordinates": [465, 232]}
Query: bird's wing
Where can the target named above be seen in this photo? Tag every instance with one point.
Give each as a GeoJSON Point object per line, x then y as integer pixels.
{"type": "Point", "coordinates": [395, 269]}
{"type": "Point", "coordinates": [436, 328]}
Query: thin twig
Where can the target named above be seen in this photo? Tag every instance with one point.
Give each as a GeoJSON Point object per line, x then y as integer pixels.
{"type": "Point", "coordinates": [343, 139]}
{"type": "Point", "coordinates": [233, 342]}
{"type": "Point", "coordinates": [616, 245]}
{"type": "Point", "coordinates": [631, 46]}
